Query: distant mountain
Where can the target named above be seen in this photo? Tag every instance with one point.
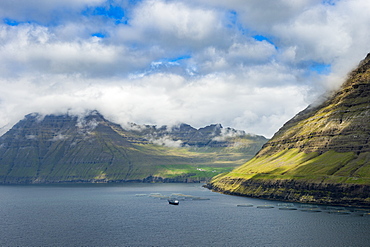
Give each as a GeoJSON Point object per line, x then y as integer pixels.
{"type": "Point", "coordinates": [322, 155]}
{"type": "Point", "coordinates": [65, 148]}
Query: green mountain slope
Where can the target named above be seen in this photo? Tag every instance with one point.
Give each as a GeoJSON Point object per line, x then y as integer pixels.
{"type": "Point", "coordinates": [322, 155]}
{"type": "Point", "coordinates": [65, 148]}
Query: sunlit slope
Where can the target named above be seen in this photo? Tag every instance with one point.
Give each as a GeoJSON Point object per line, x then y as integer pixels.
{"type": "Point", "coordinates": [321, 155]}
{"type": "Point", "coordinates": [65, 148]}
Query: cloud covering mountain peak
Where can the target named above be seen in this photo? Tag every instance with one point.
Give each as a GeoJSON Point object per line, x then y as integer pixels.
{"type": "Point", "coordinates": [251, 65]}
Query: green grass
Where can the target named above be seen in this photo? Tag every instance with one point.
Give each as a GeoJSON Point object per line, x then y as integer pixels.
{"type": "Point", "coordinates": [193, 171]}
{"type": "Point", "coordinates": [107, 161]}
{"type": "Point", "coordinates": [110, 153]}
{"type": "Point", "coordinates": [330, 167]}
{"type": "Point", "coordinates": [167, 162]}
{"type": "Point", "coordinates": [285, 174]}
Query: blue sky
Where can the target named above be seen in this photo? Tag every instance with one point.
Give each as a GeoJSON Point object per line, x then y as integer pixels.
{"type": "Point", "coordinates": [248, 65]}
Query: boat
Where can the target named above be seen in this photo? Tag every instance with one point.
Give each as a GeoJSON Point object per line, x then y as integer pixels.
{"type": "Point", "coordinates": [173, 202]}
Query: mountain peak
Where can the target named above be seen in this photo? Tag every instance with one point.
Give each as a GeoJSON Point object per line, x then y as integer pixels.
{"type": "Point", "coordinates": [89, 148]}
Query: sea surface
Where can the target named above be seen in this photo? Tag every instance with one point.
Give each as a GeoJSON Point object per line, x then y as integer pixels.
{"type": "Point", "coordinates": [139, 215]}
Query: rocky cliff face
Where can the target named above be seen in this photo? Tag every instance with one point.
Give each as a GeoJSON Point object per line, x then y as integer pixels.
{"type": "Point", "coordinates": [322, 155]}
{"type": "Point", "coordinates": [341, 123]}
{"type": "Point", "coordinates": [49, 149]}
{"type": "Point", "coordinates": [211, 136]}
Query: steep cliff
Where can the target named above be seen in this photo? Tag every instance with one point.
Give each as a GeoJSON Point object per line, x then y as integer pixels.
{"type": "Point", "coordinates": [65, 148]}
{"type": "Point", "coordinates": [340, 124]}
{"type": "Point", "coordinates": [322, 155]}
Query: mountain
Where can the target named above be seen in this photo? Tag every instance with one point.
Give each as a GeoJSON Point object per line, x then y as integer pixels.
{"type": "Point", "coordinates": [322, 155]}
{"type": "Point", "coordinates": [65, 148]}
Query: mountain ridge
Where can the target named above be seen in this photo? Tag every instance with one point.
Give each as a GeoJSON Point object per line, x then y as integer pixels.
{"type": "Point", "coordinates": [322, 155]}
{"type": "Point", "coordinates": [68, 148]}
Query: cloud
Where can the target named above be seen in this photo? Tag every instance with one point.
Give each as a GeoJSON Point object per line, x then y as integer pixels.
{"type": "Point", "coordinates": [331, 32]}
{"type": "Point", "coordinates": [58, 137]}
{"type": "Point", "coordinates": [44, 11]}
{"type": "Point", "coordinates": [166, 141]}
{"type": "Point", "coordinates": [250, 66]}
{"type": "Point", "coordinates": [31, 137]}
{"type": "Point", "coordinates": [30, 49]}
{"type": "Point", "coordinates": [227, 133]}
{"type": "Point", "coordinates": [176, 24]}
{"type": "Point", "coordinates": [158, 99]}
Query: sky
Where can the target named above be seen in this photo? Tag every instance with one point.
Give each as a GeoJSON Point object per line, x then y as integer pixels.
{"type": "Point", "coordinates": [250, 65]}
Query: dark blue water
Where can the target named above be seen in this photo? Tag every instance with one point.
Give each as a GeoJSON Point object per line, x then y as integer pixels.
{"type": "Point", "coordinates": [115, 215]}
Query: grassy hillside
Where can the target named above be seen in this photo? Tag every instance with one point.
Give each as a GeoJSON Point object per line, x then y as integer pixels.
{"type": "Point", "coordinates": [321, 155]}
{"type": "Point", "coordinates": [291, 175]}
{"type": "Point", "coordinates": [54, 149]}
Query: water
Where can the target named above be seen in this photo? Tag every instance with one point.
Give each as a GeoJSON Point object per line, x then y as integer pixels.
{"type": "Point", "coordinates": [117, 215]}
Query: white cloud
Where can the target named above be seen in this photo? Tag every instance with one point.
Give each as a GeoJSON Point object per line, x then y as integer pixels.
{"type": "Point", "coordinates": [235, 57]}
{"type": "Point", "coordinates": [227, 133]}
{"type": "Point", "coordinates": [44, 10]}
{"type": "Point", "coordinates": [176, 24]}
{"type": "Point", "coordinates": [31, 137]}
{"type": "Point", "coordinates": [319, 31]}
{"type": "Point", "coordinates": [261, 15]}
{"type": "Point", "coordinates": [34, 49]}
{"type": "Point", "coordinates": [58, 137]}
{"type": "Point", "coordinates": [166, 141]}
{"type": "Point", "coordinates": [160, 99]}
{"type": "Point", "coordinates": [177, 61]}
